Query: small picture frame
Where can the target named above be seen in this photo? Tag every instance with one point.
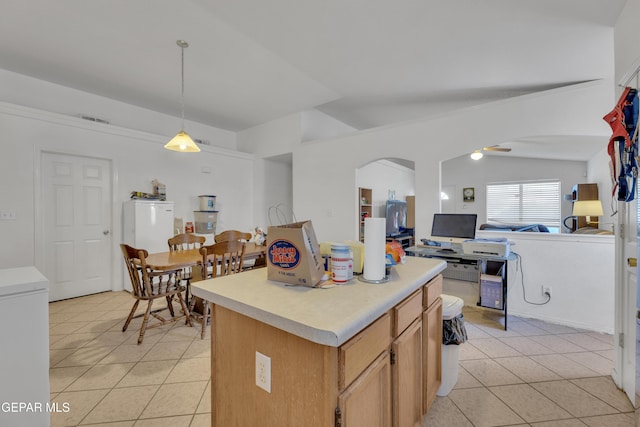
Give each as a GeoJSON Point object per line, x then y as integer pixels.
{"type": "Point", "coordinates": [468, 194]}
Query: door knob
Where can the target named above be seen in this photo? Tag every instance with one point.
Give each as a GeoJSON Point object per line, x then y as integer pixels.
{"type": "Point", "coordinates": [105, 232]}
{"type": "Point", "coordinates": [632, 262]}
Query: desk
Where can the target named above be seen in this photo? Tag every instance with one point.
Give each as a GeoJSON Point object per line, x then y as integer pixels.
{"type": "Point", "coordinates": [480, 261]}
{"type": "Point", "coordinates": [406, 240]}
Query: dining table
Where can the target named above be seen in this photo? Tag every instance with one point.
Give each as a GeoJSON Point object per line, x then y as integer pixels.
{"type": "Point", "coordinates": [164, 261]}
{"type": "Point", "coordinates": [192, 257]}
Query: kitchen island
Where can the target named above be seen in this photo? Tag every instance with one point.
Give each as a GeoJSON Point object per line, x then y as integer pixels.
{"type": "Point", "coordinates": [328, 351]}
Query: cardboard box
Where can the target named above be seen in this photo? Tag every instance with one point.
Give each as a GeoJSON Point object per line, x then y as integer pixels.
{"type": "Point", "coordinates": [293, 254]}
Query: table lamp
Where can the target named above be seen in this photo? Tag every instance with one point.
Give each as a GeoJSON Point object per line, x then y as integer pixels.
{"type": "Point", "coordinates": [587, 208]}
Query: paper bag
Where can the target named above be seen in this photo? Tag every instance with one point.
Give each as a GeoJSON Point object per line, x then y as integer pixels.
{"type": "Point", "coordinates": [293, 254]}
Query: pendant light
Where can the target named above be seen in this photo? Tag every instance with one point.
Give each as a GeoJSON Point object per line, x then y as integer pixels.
{"type": "Point", "coordinates": [182, 141]}
{"type": "Point", "coordinates": [476, 155]}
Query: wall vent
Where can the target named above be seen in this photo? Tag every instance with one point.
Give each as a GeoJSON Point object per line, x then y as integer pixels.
{"type": "Point", "coordinates": [94, 119]}
{"type": "Point", "coordinates": [201, 141]}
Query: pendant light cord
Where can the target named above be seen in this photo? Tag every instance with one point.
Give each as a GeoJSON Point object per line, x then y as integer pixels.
{"type": "Point", "coordinates": [182, 141]}
{"type": "Point", "coordinates": [183, 44]}
{"type": "Point", "coordinates": [182, 92]}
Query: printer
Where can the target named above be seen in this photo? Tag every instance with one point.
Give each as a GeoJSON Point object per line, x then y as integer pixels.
{"type": "Point", "coordinates": [489, 247]}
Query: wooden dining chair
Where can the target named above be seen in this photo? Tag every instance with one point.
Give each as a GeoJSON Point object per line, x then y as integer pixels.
{"type": "Point", "coordinates": [149, 285]}
{"type": "Point", "coordinates": [184, 242]}
{"type": "Point", "coordinates": [219, 259]}
{"type": "Point", "coordinates": [228, 235]}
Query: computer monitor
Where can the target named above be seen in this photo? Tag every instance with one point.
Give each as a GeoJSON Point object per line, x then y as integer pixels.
{"type": "Point", "coordinates": [453, 228]}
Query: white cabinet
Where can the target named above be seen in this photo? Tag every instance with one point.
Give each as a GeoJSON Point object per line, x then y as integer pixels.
{"type": "Point", "coordinates": [24, 359]}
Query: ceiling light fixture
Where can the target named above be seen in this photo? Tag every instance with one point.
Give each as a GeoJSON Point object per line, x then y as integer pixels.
{"type": "Point", "coordinates": [476, 155]}
{"type": "Point", "coordinates": [182, 141]}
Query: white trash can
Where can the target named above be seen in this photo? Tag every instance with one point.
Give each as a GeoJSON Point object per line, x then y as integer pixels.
{"type": "Point", "coordinates": [451, 308]}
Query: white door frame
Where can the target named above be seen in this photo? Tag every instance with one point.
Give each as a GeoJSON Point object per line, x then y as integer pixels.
{"type": "Point", "coordinates": [115, 227]}
{"type": "Point", "coordinates": [624, 371]}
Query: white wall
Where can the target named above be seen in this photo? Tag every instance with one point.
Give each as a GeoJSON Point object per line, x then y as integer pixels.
{"type": "Point", "coordinates": [382, 176]}
{"type": "Point", "coordinates": [462, 172]}
{"type": "Point", "coordinates": [273, 138]}
{"type": "Point", "coordinates": [27, 91]}
{"type": "Point", "coordinates": [276, 201]}
{"type": "Point", "coordinates": [272, 144]}
{"type": "Point", "coordinates": [137, 158]}
{"type": "Point", "coordinates": [578, 268]}
{"type": "Point", "coordinates": [318, 125]}
{"type": "Point", "coordinates": [576, 110]}
{"type": "Point", "coordinates": [627, 37]}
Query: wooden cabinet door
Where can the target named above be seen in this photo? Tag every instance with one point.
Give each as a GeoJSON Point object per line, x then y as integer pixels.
{"type": "Point", "coordinates": [406, 374]}
{"type": "Point", "coordinates": [367, 401]}
{"type": "Point", "coordinates": [432, 353]}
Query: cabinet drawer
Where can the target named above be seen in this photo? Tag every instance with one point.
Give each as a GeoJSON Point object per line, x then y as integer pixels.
{"type": "Point", "coordinates": [406, 312]}
{"type": "Point", "coordinates": [432, 290]}
{"type": "Point", "coordinates": [358, 353]}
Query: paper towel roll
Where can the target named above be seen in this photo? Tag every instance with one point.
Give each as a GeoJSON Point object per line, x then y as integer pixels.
{"type": "Point", "coordinates": [374, 248]}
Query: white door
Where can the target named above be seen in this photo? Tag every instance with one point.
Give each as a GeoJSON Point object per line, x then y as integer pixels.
{"type": "Point", "coordinates": [75, 203]}
{"type": "Point", "coordinates": [626, 298]}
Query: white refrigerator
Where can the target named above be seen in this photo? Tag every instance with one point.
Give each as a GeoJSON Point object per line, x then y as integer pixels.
{"type": "Point", "coordinates": [147, 224]}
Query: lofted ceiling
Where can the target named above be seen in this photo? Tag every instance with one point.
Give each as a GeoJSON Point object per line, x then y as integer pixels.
{"type": "Point", "coordinates": [367, 63]}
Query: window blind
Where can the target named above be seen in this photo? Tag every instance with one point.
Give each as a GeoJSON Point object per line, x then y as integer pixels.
{"type": "Point", "coordinates": [524, 203]}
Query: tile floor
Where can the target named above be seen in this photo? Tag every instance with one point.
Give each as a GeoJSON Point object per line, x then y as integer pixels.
{"type": "Point", "coordinates": [536, 373]}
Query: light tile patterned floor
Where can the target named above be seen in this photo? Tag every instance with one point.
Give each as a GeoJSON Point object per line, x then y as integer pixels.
{"type": "Point", "coordinates": [535, 373]}
{"type": "Point", "coordinates": [108, 379]}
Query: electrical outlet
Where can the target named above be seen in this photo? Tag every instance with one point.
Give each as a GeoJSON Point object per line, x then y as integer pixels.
{"type": "Point", "coordinates": [263, 372]}
{"type": "Point", "coordinates": [7, 216]}
{"type": "Point", "coordinates": [546, 290]}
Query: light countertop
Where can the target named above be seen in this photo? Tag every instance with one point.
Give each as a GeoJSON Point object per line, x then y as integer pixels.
{"type": "Point", "coordinates": [324, 316]}
{"type": "Point", "coordinates": [21, 280]}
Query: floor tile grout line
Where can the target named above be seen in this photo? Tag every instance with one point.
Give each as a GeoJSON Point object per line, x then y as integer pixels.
{"type": "Point", "coordinates": [572, 416]}
{"type": "Point", "coordinates": [192, 340]}
{"type": "Point", "coordinates": [597, 397]}
{"type": "Point", "coordinates": [459, 409]}
{"type": "Point", "coordinates": [570, 382]}
{"type": "Point", "coordinates": [541, 394]}
{"type": "Point", "coordinates": [486, 387]}
{"type": "Point", "coordinates": [582, 364]}
{"type": "Point", "coordinates": [528, 383]}
{"type": "Point", "coordinates": [501, 339]}
{"type": "Point", "coordinates": [596, 374]}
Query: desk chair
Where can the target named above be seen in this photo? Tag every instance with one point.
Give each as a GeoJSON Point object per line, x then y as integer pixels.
{"type": "Point", "coordinates": [149, 285]}
{"type": "Point", "coordinates": [185, 242]}
{"type": "Point", "coordinates": [219, 259]}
